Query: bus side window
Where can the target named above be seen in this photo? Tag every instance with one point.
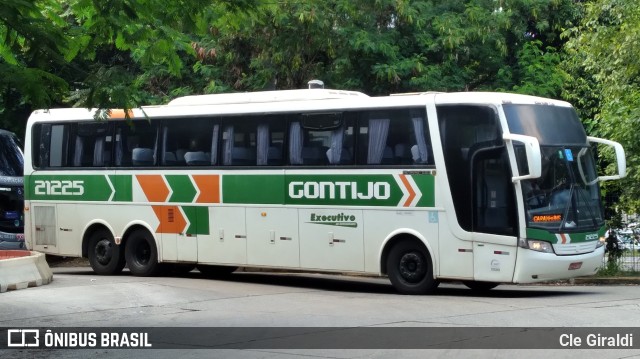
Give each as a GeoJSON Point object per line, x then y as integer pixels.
{"type": "Point", "coordinates": [340, 151]}
{"type": "Point", "coordinates": [136, 143]}
{"type": "Point", "coordinates": [303, 148]}
{"type": "Point", "coordinates": [394, 137]}
{"type": "Point", "coordinates": [192, 145]}
{"type": "Point", "coordinates": [321, 146]}
{"type": "Point", "coordinates": [373, 141]}
{"type": "Point", "coordinates": [245, 140]}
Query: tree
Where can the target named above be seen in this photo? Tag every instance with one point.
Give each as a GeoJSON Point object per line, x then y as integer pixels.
{"type": "Point", "coordinates": [606, 46]}
{"type": "Point", "coordinates": [388, 46]}
{"type": "Point", "coordinates": [33, 46]}
{"type": "Point", "coordinates": [104, 54]}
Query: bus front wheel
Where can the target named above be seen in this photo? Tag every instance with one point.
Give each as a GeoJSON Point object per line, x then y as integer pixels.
{"type": "Point", "coordinates": [410, 269]}
{"type": "Point", "coordinates": [141, 254]}
{"type": "Point", "coordinates": [105, 257]}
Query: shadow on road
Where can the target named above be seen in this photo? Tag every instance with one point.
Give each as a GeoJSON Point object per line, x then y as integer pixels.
{"type": "Point", "coordinates": [364, 284]}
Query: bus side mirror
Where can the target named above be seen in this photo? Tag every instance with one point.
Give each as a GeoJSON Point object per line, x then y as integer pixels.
{"type": "Point", "coordinates": [534, 158]}
{"type": "Point", "coordinates": [620, 158]}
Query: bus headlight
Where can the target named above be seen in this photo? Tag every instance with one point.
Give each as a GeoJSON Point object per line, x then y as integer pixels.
{"type": "Point", "coordinates": [600, 242]}
{"type": "Point", "coordinates": [540, 246]}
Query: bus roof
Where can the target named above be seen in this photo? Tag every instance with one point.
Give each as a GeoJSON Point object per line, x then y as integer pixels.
{"type": "Point", "coordinates": [265, 96]}
{"type": "Point", "coordinates": [272, 102]}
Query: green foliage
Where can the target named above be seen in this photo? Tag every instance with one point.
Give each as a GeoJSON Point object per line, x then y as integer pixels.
{"type": "Point", "coordinates": [539, 71]}
{"type": "Point", "coordinates": [32, 46]}
{"type": "Point", "coordinates": [612, 268]}
{"type": "Point", "coordinates": [606, 46]}
{"type": "Point", "coordinates": [388, 46]}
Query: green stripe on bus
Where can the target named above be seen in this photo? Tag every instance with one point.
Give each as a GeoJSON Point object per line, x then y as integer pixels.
{"type": "Point", "coordinates": [579, 237]}
{"type": "Point", "coordinates": [69, 188]}
{"type": "Point", "coordinates": [182, 187]}
{"type": "Point", "coordinates": [198, 218]}
{"type": "Point", "coordinates": [253, 189]}
{"type": "Point", "coordinates": [343, 190]}
{"type": "Point", "coordinates": [426, 184]}
{"type": "Point", "coordinates": [124, 187]}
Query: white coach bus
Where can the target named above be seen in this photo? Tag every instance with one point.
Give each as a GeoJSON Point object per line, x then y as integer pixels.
{"type": "Point", "coordinates": [482, 188]}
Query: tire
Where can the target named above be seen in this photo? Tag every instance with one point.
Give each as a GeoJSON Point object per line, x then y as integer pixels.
{"type": "Point", "coordinates": [105, 256]}
{"type": "Point", "coordinates": [216, 271]}
{"type": "Point", "coordinates": [480, 286]}
{"type": "Point", "coordinates": [410, 269]}
{"type": "Point", "coordinates": [141, 254]}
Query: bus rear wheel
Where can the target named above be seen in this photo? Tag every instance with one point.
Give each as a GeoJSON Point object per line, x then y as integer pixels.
{"type": "Point", "coordinates": [480, 286]}
{"type": "Point", "coordinates": [141, 254]}
{"type": "Point", "coordinates": [410, 269]}
{"type": "Point", "coordinates": [105, 256]}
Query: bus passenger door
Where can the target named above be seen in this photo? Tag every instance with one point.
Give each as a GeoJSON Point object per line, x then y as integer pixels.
{"type": "Point", "coordinates": [331, 239]}
{"type": "Point", "coordinates": [227, 239]}
{"type": "Point", "coordinates": [272, 237]}
{"type": "Point", "coordinates": [494, 216]}
{"type": "Point", "coordinates": [479, 179]}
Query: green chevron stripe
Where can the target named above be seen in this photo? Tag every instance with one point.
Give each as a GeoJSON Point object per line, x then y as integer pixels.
{"type": "Point", "coordinates": [198, 218]}
{"type": "Point", "coordinates": [182, 187]}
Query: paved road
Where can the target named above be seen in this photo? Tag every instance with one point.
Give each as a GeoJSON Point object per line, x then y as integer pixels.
{"type": "Point", "coordinates": [78, 298]}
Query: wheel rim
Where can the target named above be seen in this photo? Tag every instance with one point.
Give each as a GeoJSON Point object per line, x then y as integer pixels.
{"type": "Point", "coordinates": [104, 251]}
{"type": "Point", "coordinates": [412, 267]}
{"type": "Point", "coordinates": [142, 253]}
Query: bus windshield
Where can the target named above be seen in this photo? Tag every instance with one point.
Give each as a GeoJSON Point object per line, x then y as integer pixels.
{"type": "Point", "coordinates": [566, 197]}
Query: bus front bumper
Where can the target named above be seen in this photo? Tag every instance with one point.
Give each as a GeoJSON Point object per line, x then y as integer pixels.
{"type": "Point", "coordinates": [533, 266]}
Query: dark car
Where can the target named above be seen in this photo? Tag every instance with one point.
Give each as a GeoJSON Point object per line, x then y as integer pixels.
{"type": "Point", "coordinates": [11, 192]}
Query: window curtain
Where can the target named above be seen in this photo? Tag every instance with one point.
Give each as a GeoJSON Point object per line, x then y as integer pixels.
{"type": "Point", "coordinates": [214, 144]}
{"type": "Point", "coordinates": [165, 135]}
{"type": "Point", "coordinates": [119, 150]}
{"type": "Point", "coordinates": [98, 152]}
{"type": "Point", "coordinates": [335, 149]}
{"type": "Point", "coordinates": [378, 132]}
{"type": "Point", "coordinates": [262, 144]}
{"type": "Point", "coordinates": [295, 143]}
{"type": "Point", "coordinates": [227, 143]}
{"type": "Point", "coordinates": [155, 145]}
{"type": "Point", "coordinates": [77, 153]}
{"type": "Point", "coordinates": [421, 143]}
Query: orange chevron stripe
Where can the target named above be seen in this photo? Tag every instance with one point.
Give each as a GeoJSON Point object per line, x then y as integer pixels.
{"type": "Point", "coordinates": [209, 186]}
{"type": "Point", "coordinates": [564, 239]}
{"type": "Point", "coordinates": [153, 187]}
{"type": "Point", "coordinates": [171, 219]}
{"type": "Point", "coordinates": [412, 193]}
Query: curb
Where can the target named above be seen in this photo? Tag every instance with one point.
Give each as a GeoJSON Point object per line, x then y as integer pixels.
{"type": "Point", "coordinates": [607, 280]}
{"type": "Point", "coordinates": [23, 269]}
